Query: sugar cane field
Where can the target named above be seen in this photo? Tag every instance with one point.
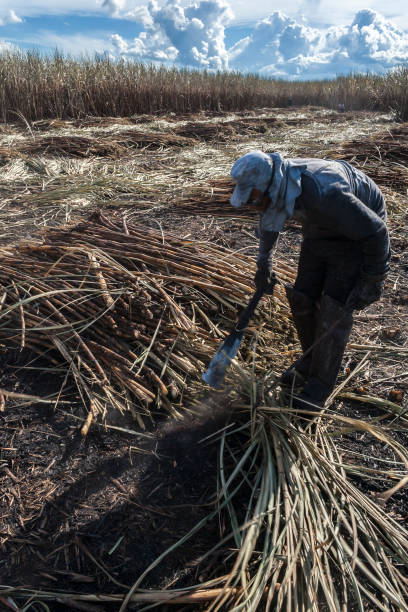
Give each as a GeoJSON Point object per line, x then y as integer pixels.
{"type": "Point", "coordinates": [129, 484]}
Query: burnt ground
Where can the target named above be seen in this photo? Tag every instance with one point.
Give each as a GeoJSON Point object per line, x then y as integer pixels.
{"type": "Point", "coordinates": [89, 514]}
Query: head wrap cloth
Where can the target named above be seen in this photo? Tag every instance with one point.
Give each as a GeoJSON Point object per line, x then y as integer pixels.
{"type": "Point", "coordinates": [254, 171]}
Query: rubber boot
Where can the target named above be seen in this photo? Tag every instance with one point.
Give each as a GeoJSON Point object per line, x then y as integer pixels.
{"type": "Point", "coordinates": [304, 313]}
{"type": "Point", "coordinates": [333, 326]}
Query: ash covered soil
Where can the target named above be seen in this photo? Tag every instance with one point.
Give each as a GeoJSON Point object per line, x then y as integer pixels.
{"type": "Point", "coordinates": [91, 513]}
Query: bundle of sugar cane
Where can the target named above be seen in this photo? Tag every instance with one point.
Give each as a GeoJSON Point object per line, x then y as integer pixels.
{"type": "Point", "coordinates": [43, 125]}
{"type": "Point", "coordinates": [388, 145]}
{"type": "Point", "coordinates": [383, 156]}
{"type": "Point", "coordinates": [213, 199]}
{"type": "Point", "coordinates": [113, 146]}
{"type": "Point", "coordinates": [227, 130]}
{"type": "Point", "coordinates": [306, 537]}
{"type": "Point", "coordinates": [134, 313]}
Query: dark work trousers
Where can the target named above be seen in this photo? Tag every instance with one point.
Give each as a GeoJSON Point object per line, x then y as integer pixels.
{"type": "Point", "coordinates": [329, 266]}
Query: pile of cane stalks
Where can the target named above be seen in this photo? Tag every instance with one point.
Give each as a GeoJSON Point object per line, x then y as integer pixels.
{"type": "Point", "coordinates": [383, 156]}
{"type": "Point", "coordinates": [213, 199]}
{"type": "Point", "coordinates": [113, 147]}
{"type": "Point", "coordinates": [133, 314]}
{"type": "Point", "coordinates": [306, 538]}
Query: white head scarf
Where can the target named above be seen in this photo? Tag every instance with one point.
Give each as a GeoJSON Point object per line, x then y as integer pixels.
{"type": "Point", "coordinates": [279, 176]}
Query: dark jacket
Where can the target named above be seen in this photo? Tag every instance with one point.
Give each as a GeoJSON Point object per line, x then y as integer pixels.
{"type": "Point", "coordinates": [339, 202]}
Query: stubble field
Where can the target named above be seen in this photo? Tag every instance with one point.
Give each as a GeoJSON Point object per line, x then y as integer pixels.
{"type": "Point", "coordinates": [83, 516]}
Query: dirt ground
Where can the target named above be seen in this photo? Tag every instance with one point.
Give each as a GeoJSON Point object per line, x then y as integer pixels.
{"type": "Point", "coordinates": [92, 513]}
{"type": "Point", "coordinates": [89, 514]}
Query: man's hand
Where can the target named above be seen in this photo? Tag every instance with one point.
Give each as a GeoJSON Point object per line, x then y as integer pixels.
{"type": "Point", "coordinates": [367, 291]}
{"type": "Point", "coordinates": [265, 279]}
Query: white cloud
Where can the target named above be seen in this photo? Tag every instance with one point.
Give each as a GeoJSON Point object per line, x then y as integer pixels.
{"type": "Point", "coordinates": [280, 46]}
{"type": "Point", "coordinates": [274, 40]}
{"type": "Point", "coordinates": [9, 17]}
{"type": "Point", "coordinates": [114, 7]}
{"type": "Point", "coordinates": [317, 11]}
{"type": "Point", "coordinates": [373, 39]}
{"type": "Point", "coordinates": [6, 46]}
{"type": "Point", "coordinates": [153, 47]}
{"type": "Point", "coordinates": [191, 36]}
{"type": "Point", "coordinates": [320, 13]}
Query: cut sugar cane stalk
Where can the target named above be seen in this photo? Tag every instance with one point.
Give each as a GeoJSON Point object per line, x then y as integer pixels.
{"type": "Point", "coordinates": [118, 309]}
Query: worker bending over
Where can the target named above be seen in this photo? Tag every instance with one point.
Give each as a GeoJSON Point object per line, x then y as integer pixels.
{"type": "Point", "coordinates": [343, 261]}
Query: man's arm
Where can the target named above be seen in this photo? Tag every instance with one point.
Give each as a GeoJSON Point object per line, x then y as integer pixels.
{"type": "Point", "coordinates": [265, 277]}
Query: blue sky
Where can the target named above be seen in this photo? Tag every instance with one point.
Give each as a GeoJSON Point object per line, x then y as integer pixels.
{"type": "Point", "coordinates": [305, 39]}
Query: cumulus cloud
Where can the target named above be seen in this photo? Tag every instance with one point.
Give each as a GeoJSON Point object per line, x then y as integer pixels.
{"type": "Point", "coordinates": [280, 46]}
{"type": "Point", "coordinates": [371, 38]}
{"type": "Point", "coordinates": [114, 7]}
{"type": "Point", "coordinates": [9, 17]}
{"type": "Point", "coordinates": [192, 36]}
{"type": "Point", "coordinates": [277, 46]}
{"type": "Point", "coordinates": [275, 39]}
{"type": "Point", "coordinates": [152, 47]}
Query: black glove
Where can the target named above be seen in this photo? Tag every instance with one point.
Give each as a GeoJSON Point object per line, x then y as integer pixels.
{"type": "Point", "coordinates": [367, 291]}
{"type": "Point", "coordinates": [265, 279]}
